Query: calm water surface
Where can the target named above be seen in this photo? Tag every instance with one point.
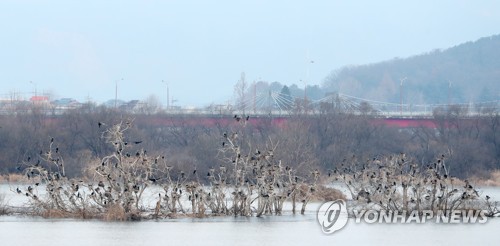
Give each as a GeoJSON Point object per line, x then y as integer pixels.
{"type": "Point", "coordinates": [276, 230]}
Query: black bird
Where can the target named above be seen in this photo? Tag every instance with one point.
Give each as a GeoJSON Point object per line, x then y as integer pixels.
{"type": "Point", "coordinates": [100, 124]}
{"type": "Point", "coordinates": [18, 190]}
{"type": "Point", "coordinates": [52, 140]}
{"type": "Point", "coordinates": [138, 142]}
{"type": "Point", "coordinates": [248, 117]}
{"type": "Point", "coordinates": [487, 197]}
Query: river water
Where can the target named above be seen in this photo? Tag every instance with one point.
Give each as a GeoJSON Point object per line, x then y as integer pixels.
{"type": "Point", "coordinates": [287, 229]}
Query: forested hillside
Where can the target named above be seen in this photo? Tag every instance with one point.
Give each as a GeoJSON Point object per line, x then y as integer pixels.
{"type": "Point", "coordinates": [468, 72]}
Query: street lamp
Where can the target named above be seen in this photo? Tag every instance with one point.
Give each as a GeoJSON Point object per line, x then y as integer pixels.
{"type": "Point", "coordinates": [34, 84]}
{"type": "Point", "coordinates": [168, 95]}
{"type": "Point", "coordinates": [449, 93]}
{"type": "Point", "coordinates": [309, 62]}
{"type": "Point", "coordinates": [35, 94]}
{"type": "Point", "coordinates": [401, 96]}
{"type": "Point", "coordinates": [116, 91]}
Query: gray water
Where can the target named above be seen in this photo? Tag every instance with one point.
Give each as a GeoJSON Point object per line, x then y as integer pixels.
{"type": "Point", "coordinates": [287, 229]}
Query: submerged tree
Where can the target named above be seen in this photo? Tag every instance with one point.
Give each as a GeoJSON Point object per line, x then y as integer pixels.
{"type": "Point", "coordinates": [249, 181]}
{"type": "Point", "coordinates": [113, 192]}
{"type": "Point", "coordinates": [398, 184]}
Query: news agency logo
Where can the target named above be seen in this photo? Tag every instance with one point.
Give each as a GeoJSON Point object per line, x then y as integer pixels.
{"type": "Point", "coordinates": [332, 216]}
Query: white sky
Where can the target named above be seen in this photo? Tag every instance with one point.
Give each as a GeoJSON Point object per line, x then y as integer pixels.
{"type": "Point", "coordinates": [80, 49]}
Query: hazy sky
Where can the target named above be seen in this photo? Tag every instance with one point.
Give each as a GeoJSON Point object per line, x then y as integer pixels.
{"type": "Point", "coordinates": [80, 49]}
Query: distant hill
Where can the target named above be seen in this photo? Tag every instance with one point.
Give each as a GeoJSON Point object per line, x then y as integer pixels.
{"type": "Point", "coordinates": [472, 69]}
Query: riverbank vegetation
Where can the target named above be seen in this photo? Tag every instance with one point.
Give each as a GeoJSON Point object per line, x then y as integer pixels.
{"type": "Point", "coordinates": [3, 205]}
{"type": "Point", "coordinates": [396, 184]}
{"type": "Point", "coordinates": [97, 162]}
{"type": "Point", "coordinates": [248, 181]}
{"type": "Point", "coordinates": [319, 139]}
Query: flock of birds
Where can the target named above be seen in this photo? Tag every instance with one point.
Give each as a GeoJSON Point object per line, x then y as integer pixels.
{"type": "Point", "coordinates": [396, 183]}
{"type": "Point", "coordinates": [247, 183]}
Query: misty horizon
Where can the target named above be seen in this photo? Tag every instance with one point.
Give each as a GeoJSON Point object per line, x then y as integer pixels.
{"type": "Point", "coordinates": [85, 51]}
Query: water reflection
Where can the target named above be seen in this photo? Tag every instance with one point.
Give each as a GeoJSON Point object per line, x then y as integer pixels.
{"type": "Point", "coordinates": [276, 230]}
{"type": "Point", "coordinates": [280, 230]}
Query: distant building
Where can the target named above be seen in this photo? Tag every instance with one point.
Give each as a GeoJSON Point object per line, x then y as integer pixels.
{"type": "Point", "coordinates": [64, 104]}
{"type": "Point", "coordinates": [40, 100]}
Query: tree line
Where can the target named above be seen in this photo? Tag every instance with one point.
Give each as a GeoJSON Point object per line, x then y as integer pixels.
{"type": "Point", "coordinates": [305, 142]}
